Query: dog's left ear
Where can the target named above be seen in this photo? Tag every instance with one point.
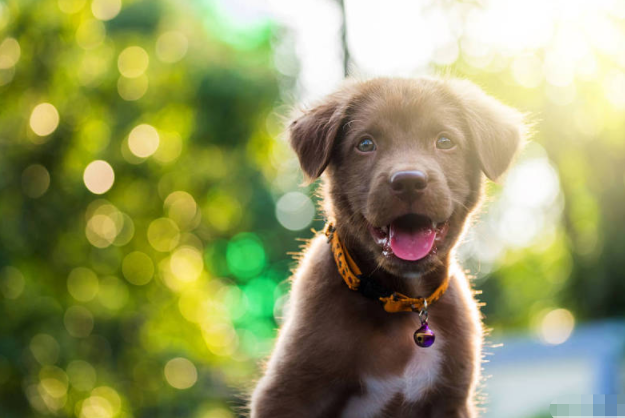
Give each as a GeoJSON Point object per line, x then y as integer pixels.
{"type": "Point", "coordinates": [313, 134]}
{"type": "Point", "coordinates": [497, 130]}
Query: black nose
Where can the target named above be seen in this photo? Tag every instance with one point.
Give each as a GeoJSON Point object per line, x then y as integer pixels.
{"type": "Point", "coordinates": [408, 184]}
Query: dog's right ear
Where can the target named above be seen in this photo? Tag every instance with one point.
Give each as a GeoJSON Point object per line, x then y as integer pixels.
{"type": "Point", "coordinates": [313, 134]}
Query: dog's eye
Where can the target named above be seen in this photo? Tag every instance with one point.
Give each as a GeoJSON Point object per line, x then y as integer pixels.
{"type": "Point", "coordinates": [366, 145]}
{"type": "Point", "coordinates": [444, 143]}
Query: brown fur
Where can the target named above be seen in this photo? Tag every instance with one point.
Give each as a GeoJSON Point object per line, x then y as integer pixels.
{"type": "Point", "coordinates": [334, 338]}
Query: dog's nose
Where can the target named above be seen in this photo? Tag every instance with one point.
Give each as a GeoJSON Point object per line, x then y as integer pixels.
{"type": "Point", "coordinates": [408, 184]}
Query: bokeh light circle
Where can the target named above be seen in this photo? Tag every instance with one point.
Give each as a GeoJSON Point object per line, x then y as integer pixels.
{"type": "Point", "coordinates": [81, 375]}
{"type": "Point", "coordinates": [53, 381]}
{"type": "Point", "coordinates": [181, 208]}
{"type": "Point", "coordinates": [245, 255]}
{"type": "Point", "coordinates": [180, 373]}
{"type": "Point", "coordinates": [186, 264]}
{"type": "Point", "coordinates": [6, 76]}
{"type": "Point", "coordinates": [12, 282]}
{"type": "Point", "coordinates": [35, 181]}
{"type": "Point", "coordinates": [113, 293]}
{"type": "Point", "coordinates": [131, 89]}
{"type": "Point", "coordinates": [556, 326]}
{"type": "Point", "coordinates": [96, 407]}
{"type": "Point", "coordinates": [133, 61]}
{"type": "Point", "coordinates": [163, 234]}
{"type": "Point", "coordinates": [45, 349]}
{"type": "Point", "coordinates": [138, 268]}
{"type": "Point", "coordinates": [82, 284]}
{"type": "Point", "coordinates": [143, 140]}
{"type": "Point", "coordinates": [527, 70]}
{"type": "Point", "coordinates": [10, 52]}
{"type": "Point", "coordinates": [169, 148]}
{"type": "Point", "coordinates": [99, 177]}
{"type": "Point", "coordinates": [106, 225]}
{"type": "Point", "coordinates": [106, 9]}
{"type": "Point", "coordinates": [295, 211]}
{"type": "Point", "coordinates": [44, 119]}
{"type": "Point", "coordinates": [171, 46]}
{"type": "Point", "coordinates": [111, 396]}
{"type": "Point", "coordinates": [78, 321]}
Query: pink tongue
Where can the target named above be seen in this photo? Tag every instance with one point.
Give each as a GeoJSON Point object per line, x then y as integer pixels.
{"type": "Point", "coordinates": [413, 244]}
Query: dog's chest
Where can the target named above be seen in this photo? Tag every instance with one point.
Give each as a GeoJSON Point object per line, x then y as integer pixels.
{"type": "Point", "coordinates": [419, 376]}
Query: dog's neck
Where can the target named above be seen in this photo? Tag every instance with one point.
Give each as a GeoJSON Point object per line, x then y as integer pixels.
{"type": "Point", "coordinates": [413, 285]}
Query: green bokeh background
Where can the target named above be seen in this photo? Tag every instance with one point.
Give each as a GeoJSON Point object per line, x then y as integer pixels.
{"type": "Point", "coordinates": [159, 297]}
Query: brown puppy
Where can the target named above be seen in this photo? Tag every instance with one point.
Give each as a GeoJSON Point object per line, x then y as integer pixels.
{"type": "Point", "coordinates": [404, 162]}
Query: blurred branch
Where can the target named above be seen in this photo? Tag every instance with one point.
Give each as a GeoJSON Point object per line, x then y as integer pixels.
{"type": "Point", "coordinates": [344, 45]}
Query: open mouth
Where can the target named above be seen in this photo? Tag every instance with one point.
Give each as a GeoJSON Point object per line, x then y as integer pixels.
{"type": "Point", "coordinates": [410, 237]}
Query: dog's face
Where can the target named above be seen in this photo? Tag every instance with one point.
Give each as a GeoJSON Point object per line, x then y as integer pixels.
{"type": "Point", "coordinates": [404, 160]}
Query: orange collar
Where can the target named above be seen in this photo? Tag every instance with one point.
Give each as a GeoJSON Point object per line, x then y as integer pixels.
{"type": "Point", "coordinates": [353, 277]}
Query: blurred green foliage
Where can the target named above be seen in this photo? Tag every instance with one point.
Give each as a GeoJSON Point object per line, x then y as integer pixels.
{"type": "Point", "coordinates": [133, 286]}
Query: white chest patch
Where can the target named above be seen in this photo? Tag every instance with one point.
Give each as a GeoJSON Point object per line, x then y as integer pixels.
{"type": "Point", "coordinates": [420, 374]}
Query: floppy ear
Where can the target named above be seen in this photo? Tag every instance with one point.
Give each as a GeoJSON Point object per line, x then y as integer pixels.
{"type": "Point", "coordinates": [313, 134]}
{"type": "Point", "coordinates": [496, 130]}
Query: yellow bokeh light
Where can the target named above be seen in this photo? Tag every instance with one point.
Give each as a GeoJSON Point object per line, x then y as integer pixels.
{"type": "Point", "coordinates": [133, 61]}
{"type": "Point", "coordinates": [82, 284]}
{"type": "Point", "coordinates": [11, 282]}
{"type": "Point", "coordinates": [9, 53]}
{"type": "Point", "coordinates": [180, 373]}
{"type": "Point", "coordinates": [35, 181]}
{"type": "Point", "coordinates": [186, 264]}
{"type": "Point", "coordinates": [190, 303]}
{"type": "Point", "coordinates": [556, 326]}
{"type": "Point", "coordinates": [138, 268]}
{"type": "Point", "coordinates": [6, 76]}
{"type": "Point", "coordinates": [220, 338]}
{"type": "Point", "coordinates": [90, 34]}
{"type": "Point", "coordinates": [614, 87]}
{"type": "Point", "coordinates": [106, 225]}
{"type": "Point", "coordinates": [127, 231]}
{"type": "Point", "coordinates": [171, 46]}
{"type": "Point", "coordinates": [45, 349]}
{"type": "Point", "coordinates": [99, 177]}
{"type": "Point", "coordinates": [181, 208]}
{"type": "Point", "coordinates": [101, 231]}
{"type": "Point", "coordinates": [143, 140]}
{"type": "Point", "coordinates": [559, 71]}
{"type": "Point", "coordinates": [96, 407]}
{"type": "Point", "coordinates": [131, 89]}
{"type": "Point", "coordinates": [163, 234]}
{"type": "Point", "coordinates": [54, 381]}
{"type": "Point", "coordinates": [113, 293]}
{"type": "Point", "coordinates": [106, 9]}
{"type": "Point", "coordinates": [81, 375]}
{"type": "Point", "coordinates": [111, 395]}
{"type": "Point", "coordinates": [527, 70]}
{"type": "Point", "coordinates": [169, 149]}
{"type": "Point", "coordinates": [44, 119]}
{"type": "Point", "coordinates": [78, 321]}
{"type": "Point", "coordinates": [71, 6]}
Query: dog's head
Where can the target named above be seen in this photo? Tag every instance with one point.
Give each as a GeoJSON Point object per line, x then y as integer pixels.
{"type": "Point", "coordinates": [404, 162]}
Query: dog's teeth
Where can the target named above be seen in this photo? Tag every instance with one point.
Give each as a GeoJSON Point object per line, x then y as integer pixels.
{"type": "Point", "coordinates": [434, 224]}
